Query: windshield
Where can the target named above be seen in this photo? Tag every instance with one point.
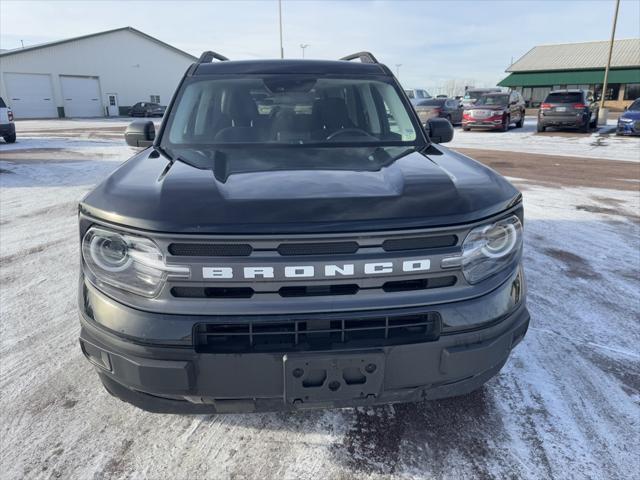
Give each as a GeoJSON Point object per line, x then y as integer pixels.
{"type": "Point", "coordinates": [493, 100]}
{"type": "Point", "coordinates": [473, 95]}
{"type": "Point", "coordinates": [292, 110]}
{"type": "Point", "coordinates": [635, 106]}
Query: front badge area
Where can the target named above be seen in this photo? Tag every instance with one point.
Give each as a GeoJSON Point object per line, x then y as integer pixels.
{"type": "Point", "coordinates": [316, 271]}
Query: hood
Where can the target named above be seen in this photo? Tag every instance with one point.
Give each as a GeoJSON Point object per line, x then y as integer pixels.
{"type": "Point", "coordinates": [430, 187]}
{"type": "Point", "coordinates": [631, 114]}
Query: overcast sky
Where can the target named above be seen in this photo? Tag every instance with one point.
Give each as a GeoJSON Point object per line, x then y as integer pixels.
{"type": "Point", "coordinates": [433, 40]}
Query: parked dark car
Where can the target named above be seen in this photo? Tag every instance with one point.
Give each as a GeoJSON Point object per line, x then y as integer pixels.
{"type": "Point", "coordinates": [147, 109]}
{"type": "Point", "coordinates": [327, 253]}
{"type": "Point", "coordinates": [568, 108]}
{"type": "Point", "coordinates": [440, 107]}
{"type": "Point", "coordinates": [496, 111]}
{"type": "Point", "coordinates": [416, 95]}
{"type": "Point", "coordinates": [629, 121]}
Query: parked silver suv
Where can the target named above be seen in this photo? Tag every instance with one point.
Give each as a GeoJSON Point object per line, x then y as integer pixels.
{"type": "Point", "coordinates": [7, 127]}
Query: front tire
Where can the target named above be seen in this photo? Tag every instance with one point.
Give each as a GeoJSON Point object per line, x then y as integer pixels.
{"type": "Point", "coordinates": [586, 127]}
{"type": "Point", "coordinates": [505, 123]}
{"type": "Point", "coordinates": [541, 128]}
{"type": "Point", "coordinates": [520, 123]}
{"type": "Point", "coordinates": [10, 138]}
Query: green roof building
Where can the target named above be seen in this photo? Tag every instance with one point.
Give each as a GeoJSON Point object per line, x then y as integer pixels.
{"type": "Point", "coordinates": [578, 65]}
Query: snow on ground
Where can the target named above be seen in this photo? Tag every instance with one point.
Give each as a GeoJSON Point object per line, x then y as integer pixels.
{"type": "Point", "coordinates": [566, 405]}
{"type": "Point", "coordinates": [552, 142]}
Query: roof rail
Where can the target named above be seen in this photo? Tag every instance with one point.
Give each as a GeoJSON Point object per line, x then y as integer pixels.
{"type": "Point", "coordinates": [208, 56]}
{"type": "Point", "coordinates": [364, 57]}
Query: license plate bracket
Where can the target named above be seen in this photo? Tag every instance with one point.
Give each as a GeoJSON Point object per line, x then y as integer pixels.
{"type": "Point", "coordinates": [321, 379]}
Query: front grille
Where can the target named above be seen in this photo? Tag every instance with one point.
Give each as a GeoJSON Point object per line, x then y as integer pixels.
{"type": "Point", "coordinates": [417, 243]}
{"type": "Point", "coordinates": [212, 292]}
{"type": "Point", "coordinates": [330, 248]}
{"type": "Point", "coordinates": [210, 250]}
{"type": "Point", "coordinates": [311, 290]}
{"type": "Point", "coordinates": [419, 284]}
{"type": "Point", "coordinates": [321, 334]}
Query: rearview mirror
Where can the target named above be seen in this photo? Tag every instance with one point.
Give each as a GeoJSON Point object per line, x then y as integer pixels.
{"type": "Point", "coordinates": [439, 130]}
{"type": "Point", "coordinates": [140, 133]}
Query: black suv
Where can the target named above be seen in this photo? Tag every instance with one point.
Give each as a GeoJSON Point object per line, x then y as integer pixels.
{"type": "Point", "coordinates": [293, 238]}
{"type": "Point", "coordinates": [568, 108]}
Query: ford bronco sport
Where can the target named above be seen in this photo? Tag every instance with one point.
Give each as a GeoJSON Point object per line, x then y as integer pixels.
{"type": "Point", "coordinates": [293, 238]}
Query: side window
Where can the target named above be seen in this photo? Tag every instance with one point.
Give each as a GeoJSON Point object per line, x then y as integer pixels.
{"type": "Point", "coordinates": [154, 98]}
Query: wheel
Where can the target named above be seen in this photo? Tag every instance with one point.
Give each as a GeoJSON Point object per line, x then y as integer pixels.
{"type": "Point", "coordinates": [505, 123]}
{"type": "Point", "coordinates": [541, 128]}
{"type": "Point", "coordinates": [586, 127]}
{"type": "Point", "coordinates": [520, 123]}
{"type": "Point", "coordinates": [10, 138]}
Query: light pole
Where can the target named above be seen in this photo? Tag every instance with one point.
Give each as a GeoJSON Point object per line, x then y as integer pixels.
{"type": "Point", "coordinates": [280, 21]}
{"type": "Point", "coordinates": [606, 71]}
{"type": "Point", "coordinates": [398, 65]}
{"type": "Point", "coordinates": [303, 46]}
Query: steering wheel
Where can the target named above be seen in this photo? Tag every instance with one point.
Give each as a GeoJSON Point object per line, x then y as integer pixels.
{"type": "Point", "coordinates": [349, 131]}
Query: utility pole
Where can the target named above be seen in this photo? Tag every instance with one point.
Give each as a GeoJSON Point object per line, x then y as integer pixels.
{"type": "Point", "coordinates": [280, 20]}
{"type": "Point", "coordinates": [22, 42]}
{"type": "Point", "coordinates": [398, 65]}
{"type": "Point", "coordinates": [606, 71]}
{"type": "Point", "coordinates": [303, 46]}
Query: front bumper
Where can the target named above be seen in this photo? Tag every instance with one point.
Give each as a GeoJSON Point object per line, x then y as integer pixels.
{"type": "Point", "coordinates": [628, 128]}
{"type": "Point", "coordinates": [7, 129]}
{"type": "Point", "coordinates": [178, 379]}
{"type": "Point", "coordinates": [492, 122]}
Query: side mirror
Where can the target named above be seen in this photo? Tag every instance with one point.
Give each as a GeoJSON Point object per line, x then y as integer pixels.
{"type": "Point", "coordinates": [140, 133]}
{"type": "Point", "coordinates": [439, 130]}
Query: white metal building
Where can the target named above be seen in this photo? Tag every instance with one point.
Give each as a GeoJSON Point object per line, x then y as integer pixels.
{"type": "Point", "coordinates": [102, 74]}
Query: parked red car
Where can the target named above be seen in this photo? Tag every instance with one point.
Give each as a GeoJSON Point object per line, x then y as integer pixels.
{"type": "Point", "coordinates": [496, 111]}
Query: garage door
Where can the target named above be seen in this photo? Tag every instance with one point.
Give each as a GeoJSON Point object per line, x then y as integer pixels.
{"type": "Point", "coordinates": [81, 96]}
{"type": "Point", "coordinates": [30, 95]}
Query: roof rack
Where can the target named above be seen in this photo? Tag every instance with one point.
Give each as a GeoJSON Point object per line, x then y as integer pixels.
{"type": "Point", "coordinates": [208, 56]}
{"type": "Point", "coordinates": [364, 57]}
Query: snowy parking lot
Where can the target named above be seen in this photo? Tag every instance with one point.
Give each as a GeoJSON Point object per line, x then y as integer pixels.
{"type": "Point", "coordinates": [566, 405]}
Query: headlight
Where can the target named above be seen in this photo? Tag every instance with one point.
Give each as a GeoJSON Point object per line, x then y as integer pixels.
{"type": "Point", "coordinates": [488, 249]}
{"type": "Point", "coordinates": [497, 112]}
{"type": "Point", "coordinates": [128, 262]}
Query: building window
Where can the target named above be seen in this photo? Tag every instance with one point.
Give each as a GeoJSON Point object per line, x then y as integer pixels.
{"type": "Point", "coordinates": [538, 94]}
{"type": "Point", "coordinates": [632, 91]}
{"type": "Point", "coordinates": [613, 89]}
{"type": "Point", "coordinates": [155, 98]}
